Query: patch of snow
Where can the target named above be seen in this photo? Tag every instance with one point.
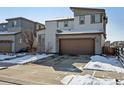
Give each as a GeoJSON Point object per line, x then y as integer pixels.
{"type": "Point", "coordinates": [87, 80]}
{"type": "Point", "coordinates": [7, 57]}
{"type": "Point", "coordinates": [107, 60]}
{"type": "Point", "coordinates": [21, 54]}
{"type": "Point", "coordinates": [26, 58]}
{"type": "Point", "coordinates": [4, 57]}
{"type": "Point", "coordinates": [104, 64]}
{"type": "Point", "coordinates": [3, 68]}
{"type": "Point", "coordinates": [121, 82]}
{"type": "Point", "coordinates": [8, 33]}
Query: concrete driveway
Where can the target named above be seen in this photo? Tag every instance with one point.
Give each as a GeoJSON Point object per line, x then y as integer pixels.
{"type": "Point", "coordinates": [48, 71]}
{"type": "Point", "coordinates": [51, 71]}
{"type": "Point", "coordinates": [66, 63]}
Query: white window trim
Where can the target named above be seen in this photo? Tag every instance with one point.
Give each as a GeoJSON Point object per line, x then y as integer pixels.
{"type": "Point", "coordinates": [83, 16]}
{"type": "Point", "coordinates": [20, 40]}
{"type": "Point", "coordinates": [65, 24]}
{"type": "Point", "coordinates": [95, 21]}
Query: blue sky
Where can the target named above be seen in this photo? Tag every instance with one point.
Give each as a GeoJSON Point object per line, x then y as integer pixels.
{"type": "Point", "coordinates": [115, 26]}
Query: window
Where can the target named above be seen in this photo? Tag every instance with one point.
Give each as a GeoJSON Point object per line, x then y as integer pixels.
{"type": "Point", "coordinates": [4, 26]}
{"type": "Point", "coordinates": [20, 40]}
{"type": "Point", "coordinates": [14, 23]}
{"type": "Point", "coordinates": [40, 27]}
{"type": "Point", "coordinates": [96, 18]}
{"type": "Point", "coordinates": [82, 19]}
{"type": "Point", "coordinates": [57, 24]}
{"type": "Point", "coordinates": [26, 40]}
{"type": "Point", "coordinates": [65, 23]}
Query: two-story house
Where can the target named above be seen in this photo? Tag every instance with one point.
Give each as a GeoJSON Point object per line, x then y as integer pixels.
{"type": "Point", "coordinates": [85, 33]}
{"type": "Point", "coordinates": [17, 34]}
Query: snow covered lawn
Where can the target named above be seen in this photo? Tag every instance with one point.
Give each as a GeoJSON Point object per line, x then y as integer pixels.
{"type": "Point", "coordinates": [4, 57]}
{"type": "Point", "coordinates": [26, 58]}
{"type": "Point", "coordinates": [7, 57]}
{"type": "Point", "coordinates": [120, 82]}
{"type": "Point", "coordinates": [104, 64]}
{"type": "Point", "coordinates": [86, 80]}
{"type": "Point", "coordinates": [3, 68]}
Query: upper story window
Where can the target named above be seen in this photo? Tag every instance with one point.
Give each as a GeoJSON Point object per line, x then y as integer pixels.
{"type": "Point", "coordinates": [4, 26]}
{"type": "Point", "coordinates": [38, 27]}
{"type": "Point", "coordinates": [14, 23]}
{"type": "Point", "coordinates": [96, 18]}
{"type": "Point", "coordinates": [82, 19]}
{"type": "Point", "coordinates": [20, 40]}
{"type": "Point", "coordinates": [57, 24]}
{"type": "Point", "coordinates": [65, 23]}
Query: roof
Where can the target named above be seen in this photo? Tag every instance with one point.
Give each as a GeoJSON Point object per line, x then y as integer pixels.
{"type": "Point", "coordinates": [62, 19]}
{"type": "Point", "coordinates": [3, 23]}
{"type": "Point", "coordinates": [8, 33]}
{"type": "Point", "coordinates": [19, 18]}
{"type": "Point", "coordinates": [24, 19]}
{"type": "Point", "coordinates": [40, 30]}
{"type": "Point", "coordinates": [40, 23]}
{"type": "Point", "coordinates": [82, 8]}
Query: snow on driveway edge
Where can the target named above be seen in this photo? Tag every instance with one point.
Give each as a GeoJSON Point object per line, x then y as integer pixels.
{"type": "Point", "coordinates": [86, 80]}
{"type": "Point", "coordinates": [101, 63]}
{"type": "Point", "coordinates": [27, 58]}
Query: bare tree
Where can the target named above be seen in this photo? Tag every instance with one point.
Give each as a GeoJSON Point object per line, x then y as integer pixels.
{"type": "Point", "coordinates": [29, 39]}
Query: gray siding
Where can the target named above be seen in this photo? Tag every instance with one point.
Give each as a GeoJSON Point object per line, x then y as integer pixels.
{"type": "Point", "coordinates": [3, 27]}
{"type": "Point", "coordinates": [16, 28]}
{"type": "Point", "coordinates": [23, 26]}
{"type": "Point", "coordinates": [27, 25]}
{"type": "Point", "coordinates": [19, 25]}
{"type": "Point", "coordinates": [19, 42]}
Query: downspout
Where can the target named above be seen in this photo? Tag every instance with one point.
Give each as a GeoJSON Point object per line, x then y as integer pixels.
{"type": "Point", "coordinates": [13, 46]}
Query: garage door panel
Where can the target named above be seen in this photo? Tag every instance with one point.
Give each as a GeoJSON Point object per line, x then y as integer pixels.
{"type": "Point", "coordinates": [77, 46]}
{"type": "Point", "coordinates": [5, 47]}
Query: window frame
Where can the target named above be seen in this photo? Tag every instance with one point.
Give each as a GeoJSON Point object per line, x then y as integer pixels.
{"type": "Point", "coordinates": [4, 26]}
{"type": "Point", "coordinates": [93, 20]}
{"type": "Point", "coordinates": [20, 41]}
{"type": "Point", "coordinates": [14, 23]}
{"type": "Point", "coordinates": [57, 24]}
{"type": "Point", "coordinates": [81, 21]}
{"type": "Point", "coordinates": [66, 24]}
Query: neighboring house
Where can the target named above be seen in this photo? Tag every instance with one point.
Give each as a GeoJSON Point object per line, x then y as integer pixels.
{"type": "Point", "coordinates": [117, 44]}
{"type": "Point", "coordinates": [85, 33]}
{"type": "Point", "coordinates": [17, 34]}
{"type": "Point", "coordinates": [107, 44]}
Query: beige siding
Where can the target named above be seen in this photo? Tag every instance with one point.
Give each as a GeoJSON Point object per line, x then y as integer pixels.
{"type": "Point", "coordinates": [50, 36]}
{"type": "Point", "coordinates": [39, 43]}
{"type": "Point", "coordinates": [102, 40]}
{"type": "Point", "coordinates": [87, 26]}
{"type": "Point", "coordinates": [61, 25]}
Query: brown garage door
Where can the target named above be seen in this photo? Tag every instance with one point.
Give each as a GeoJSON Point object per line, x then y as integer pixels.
{"type": "Point", "coordinates": [77, 46]}
{"type": "Point", "coordinates": [5, 46]}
